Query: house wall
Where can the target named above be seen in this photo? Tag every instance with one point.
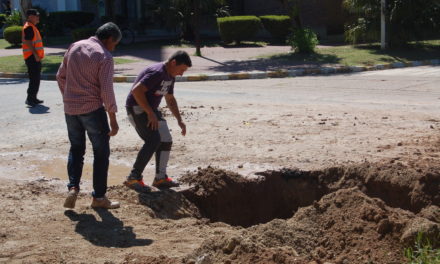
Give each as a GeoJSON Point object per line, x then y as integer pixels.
{"type": "Point", "coordinates": [52, 5]}
{"type": "Point", "coordinates": [49, 5]}
{"type": "Point", "coordinates": [263, 7]}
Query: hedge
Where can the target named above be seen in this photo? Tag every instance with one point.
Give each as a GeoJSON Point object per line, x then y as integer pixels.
{"type": "Point", "coordinates": [83, 33]}
{"type": "Point", "coordinates": [238, 28]}
{"type": "Point", "coordinates": [13, 34]}
{"type": "Point", "coordinates": [278, 26]}
{"type": "Point", "coordinates": [2, 19]}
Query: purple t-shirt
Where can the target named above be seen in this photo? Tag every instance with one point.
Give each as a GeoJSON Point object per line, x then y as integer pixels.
{"type": "Point", "coordinates": [158, 82]}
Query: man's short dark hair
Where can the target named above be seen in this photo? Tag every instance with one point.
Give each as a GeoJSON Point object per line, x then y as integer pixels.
{"type": "Point", "coordinates": [181, 57]}
{"type": "Point", "coordinates": [107, 30]}
{"type": "Point", "coordinates": [32, 12]}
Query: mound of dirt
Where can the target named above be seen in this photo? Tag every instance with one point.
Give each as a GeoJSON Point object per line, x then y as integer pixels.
{"type": "Point", "coordinates": [365, 213]}
{"type": "Point", "coordinates": [346, 226]}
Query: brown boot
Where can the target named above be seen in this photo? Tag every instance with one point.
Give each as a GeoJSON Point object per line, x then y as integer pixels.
{"type": "Point", "coordinates": [71, 198]}
{"type": "Point", "coordinates": [104, 202]}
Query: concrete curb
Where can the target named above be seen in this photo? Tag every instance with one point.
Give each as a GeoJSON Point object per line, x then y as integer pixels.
{"type": "Point", "coordinates": [259, 74]}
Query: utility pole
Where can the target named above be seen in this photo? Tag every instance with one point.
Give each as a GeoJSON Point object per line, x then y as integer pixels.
{"type": "Point", "coordinates": [383, 27]}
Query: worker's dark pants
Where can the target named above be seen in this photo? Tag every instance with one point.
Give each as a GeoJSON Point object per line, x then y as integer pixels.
{"type": "Point", "coordinates": [156, 142]}
{"type": "Point", "coordinates": [34, 71]}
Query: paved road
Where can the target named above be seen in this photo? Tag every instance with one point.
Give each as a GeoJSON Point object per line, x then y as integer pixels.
{"type": "Point", "coordinates": [418, 87]}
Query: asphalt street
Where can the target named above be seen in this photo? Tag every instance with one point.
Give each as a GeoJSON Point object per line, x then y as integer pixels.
{"type": "Point", "coordinates": [409, 88]}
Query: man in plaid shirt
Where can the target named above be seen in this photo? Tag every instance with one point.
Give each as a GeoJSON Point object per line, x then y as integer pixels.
{"type": "Point", "coordinates": [85, 79]}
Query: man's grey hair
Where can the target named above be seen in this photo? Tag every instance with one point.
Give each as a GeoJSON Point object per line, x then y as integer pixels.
{"type": "Point", "coordinates": [107, 30]}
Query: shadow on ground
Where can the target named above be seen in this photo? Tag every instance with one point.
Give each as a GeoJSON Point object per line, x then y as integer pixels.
{"type": "Point", "coordinates": [12, 81]}
{"type": "Point", "coordinates": [273, 63]}
{"type": "Point", "coordinates": [109, 232]}
{"type": "Point", "coordinates": [39, 109]}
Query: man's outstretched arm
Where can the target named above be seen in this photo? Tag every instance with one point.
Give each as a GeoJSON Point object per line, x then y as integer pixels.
{"type": "Point", "coordinates": [174, 108]}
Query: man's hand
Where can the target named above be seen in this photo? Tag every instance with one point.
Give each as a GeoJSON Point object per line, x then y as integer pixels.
{"type": "Point", "coordinates": [37, 58]}
{"type": "Point", "coordinates": [153, 123]}
{"type": "Point", "coordinates": [183, 127]}
{"type": "Point", "coordinates": [114, 128]}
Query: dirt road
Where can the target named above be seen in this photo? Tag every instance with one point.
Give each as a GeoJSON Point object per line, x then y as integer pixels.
{"type": "Point", "coordinates": [296, 127]}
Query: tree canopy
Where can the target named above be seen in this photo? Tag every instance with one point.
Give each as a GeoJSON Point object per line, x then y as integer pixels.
{"type": "Point", "coordinates": [408, 20]}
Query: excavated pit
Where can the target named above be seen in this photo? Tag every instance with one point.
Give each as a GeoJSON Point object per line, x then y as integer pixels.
{"type": "Point", "coordinates": [223, 196]}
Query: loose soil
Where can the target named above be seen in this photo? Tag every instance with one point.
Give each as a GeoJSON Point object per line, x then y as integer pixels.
{"type": "Point", "coordinates": [366, 213]}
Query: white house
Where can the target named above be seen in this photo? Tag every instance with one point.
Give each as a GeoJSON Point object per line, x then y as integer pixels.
{"type": "Point", "coordinates": [52, 5]}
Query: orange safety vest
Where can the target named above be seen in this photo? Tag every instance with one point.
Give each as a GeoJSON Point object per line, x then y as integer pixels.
{"type": "Point", "coordinates": [37, 42]}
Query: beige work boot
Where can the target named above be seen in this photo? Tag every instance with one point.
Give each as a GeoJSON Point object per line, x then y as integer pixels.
{"type": "Point", "coordinates": [104, 202]}
{"type": "Point", "coordinates": [71, 198]}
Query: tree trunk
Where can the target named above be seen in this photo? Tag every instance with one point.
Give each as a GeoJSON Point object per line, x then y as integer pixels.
{"type": "Point", "coordinates": [197, 26]}
{"type": "Point", "coordinates": [110, 9]}
{"type": "Point", "coordinates": [25, 5]}
{"type": "Point", "coordinates": [292, 8]}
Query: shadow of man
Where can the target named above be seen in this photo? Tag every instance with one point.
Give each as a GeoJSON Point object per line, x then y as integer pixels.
{"type": "Point", "coordinates": [39, 109]}
{"type": "Point", "coordinates": [109, 232]}
{"type": "Point", "coordinates": [7, 81]}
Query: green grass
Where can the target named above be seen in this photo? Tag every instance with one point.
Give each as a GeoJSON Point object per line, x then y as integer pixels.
{"type": "Point", "coordinates": [50, 63]}
{"type": "Point", "coordinates": [422, 252]}
{"type": "Point", "coordinates": [4, 44]}
{"type": "Point", "coordinates": [364, 55]}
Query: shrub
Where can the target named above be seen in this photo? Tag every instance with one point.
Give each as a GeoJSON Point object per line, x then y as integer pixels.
{"type": "Point", "coordinates": [303, 40]}
{"type": "Point", "coordinates": [278, 26]}
{"type": "Point", "coordinates": [359, 33]}
{"type": "Point", "coordinates": [83, 33]}
{"type": "Point", "coordinates": [238, 28]}
{"type": "Point", "coordinates": [14, 19]}
{"type": "Point", "coordinates": [2, 19]}
{"type": "Point", "coordinates": [13, 34]}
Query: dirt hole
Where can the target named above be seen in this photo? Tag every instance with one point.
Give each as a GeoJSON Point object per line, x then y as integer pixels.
{"type": "Point", "coordinates": [228, 197]}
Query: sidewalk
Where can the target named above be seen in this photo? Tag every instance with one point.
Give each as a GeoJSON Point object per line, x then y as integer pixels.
{"type": "Point", "coordinates": [219, 63]}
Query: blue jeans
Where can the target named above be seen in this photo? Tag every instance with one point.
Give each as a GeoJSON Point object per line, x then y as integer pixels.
{"type": "Point", "coordinates": [96, 125]}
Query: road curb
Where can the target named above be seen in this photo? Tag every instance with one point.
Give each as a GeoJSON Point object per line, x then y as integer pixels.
{"type": "Point", "coordinates": [259, 74]}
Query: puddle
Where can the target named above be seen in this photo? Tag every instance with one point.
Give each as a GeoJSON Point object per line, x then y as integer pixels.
{"type": "Point", "coordinates": [56, 168]}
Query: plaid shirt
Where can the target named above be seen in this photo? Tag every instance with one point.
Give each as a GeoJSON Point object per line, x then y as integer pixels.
{"type": "Point", "coordinates": [85, 78]}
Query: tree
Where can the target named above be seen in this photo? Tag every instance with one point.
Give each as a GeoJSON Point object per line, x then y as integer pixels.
{"type": "Point", "coordinates": [25, 5]}
{"type": "Point", "coordinates": [407, 19]}
{"type": "Point", "coordinates": [292, 8]}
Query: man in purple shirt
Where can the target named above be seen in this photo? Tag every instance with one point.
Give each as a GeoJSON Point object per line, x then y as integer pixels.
{"type": "Point", "coordinates": [153, 83]}
{"type": "Point", "coordinates": [85, 79]}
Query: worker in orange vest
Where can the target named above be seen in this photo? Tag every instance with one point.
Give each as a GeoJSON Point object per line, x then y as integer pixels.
{"type": "Point", "coordinates": [33, 53]}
